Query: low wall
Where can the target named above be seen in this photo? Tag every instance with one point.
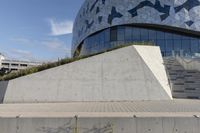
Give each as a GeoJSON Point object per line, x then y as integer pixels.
{"type": "Point", "coordinates": [100, 125]}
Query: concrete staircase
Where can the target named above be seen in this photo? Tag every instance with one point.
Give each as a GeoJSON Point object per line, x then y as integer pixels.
{"type": "Point", "coordinates": [184, 83]}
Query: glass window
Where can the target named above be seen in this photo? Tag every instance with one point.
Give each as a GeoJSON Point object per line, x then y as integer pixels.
{"type": "Point", "coordinates": [169, 45]}
{"type": "Point", "coordinates": [90, 42]}
{"type": "Point", "coordinates": [108, 45]}
{"type": "Point", "coordinates": [105, 45]}
{"type": "Point", "coordinates": [144, 34]}
{"type": "Point", "coordinates": [160, 35]}
{"type": "Point", "coordinates": [152, 35]}
{"type": "Point", "coordinates": [177, 45]}
{"type": "Point", "coordinates": [85, 43]}
{"type": "Point", "coordinates": [186, 38]}
{"type": "Point", "coordinates": [186, 46]}
{"type": "Point", "coordinates": [199, 45]}
{"type": "Point", "coordinates": [136, 34]}
{"type": "Point", "coordinates": [107, 35]}
{"type": "Point", "coordinates": [112, 44]}
{"type": "Point", "coordinates": [168, 36]}
{"type": "Point", "coordinates": [161, 43]}
{"type": "Point", "coordinates": [177, 37]}
{"type": "Point", "coordinates": [113, 34]}
{"type": "Point", "coordinates": [120, 34]}
{"type": "Point", "coordinates": [102, 37]}
{"type": "Point", "coordinates": [98, 39]}
{"type": "Point", "coordinates": [94, 41]}
{"type": "Point", "coordinates": [128, 34]}
{"type": "Point", "coordinates": [194, 46]}
{"type": "Point", "coordinates": [154, 42]}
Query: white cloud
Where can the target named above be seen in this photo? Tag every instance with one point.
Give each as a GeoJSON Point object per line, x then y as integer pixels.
{"type": "Point", "coordinates": [50, 48]}
{"type": "Point", "coordinates": [21, 55]}
{"type": "Point", "coordinates": [21, 52]}
{"type": "Point", "coordinates": [52, 44]}
{"type": "Point", "coordinates": [21, 40]}
{"type": "Point", "coordinates": [60, 27]}
{"type": "Point", "coordinates": [57, 45]}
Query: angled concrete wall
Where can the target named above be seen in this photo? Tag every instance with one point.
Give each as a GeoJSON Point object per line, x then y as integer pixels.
{"type": "Point", "coordinates": [131, 73]}
{"type": "Point", "coordinates": [155, 62]}
{"type": "Point", "coordinates": [3, 87]}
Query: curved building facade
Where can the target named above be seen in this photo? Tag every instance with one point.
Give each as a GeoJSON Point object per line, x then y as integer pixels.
{"type": "Point", "coordinates": [174, 25]}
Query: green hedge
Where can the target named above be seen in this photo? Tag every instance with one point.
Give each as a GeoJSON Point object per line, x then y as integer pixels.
{"type": "Point", "coordinates": [36, 69]}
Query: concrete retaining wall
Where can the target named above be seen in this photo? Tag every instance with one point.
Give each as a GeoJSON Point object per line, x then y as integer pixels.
{"type": "Point", "coordinates": [126, 74]}
{"type": "Point", "coordinates": [100, 125]}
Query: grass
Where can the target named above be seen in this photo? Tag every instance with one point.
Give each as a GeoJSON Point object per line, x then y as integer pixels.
{"type": "Point", "coordinates": [43, 67]}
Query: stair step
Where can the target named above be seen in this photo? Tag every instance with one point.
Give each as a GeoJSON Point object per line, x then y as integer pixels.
{"type": "Point", "coordinates": [184, 83]}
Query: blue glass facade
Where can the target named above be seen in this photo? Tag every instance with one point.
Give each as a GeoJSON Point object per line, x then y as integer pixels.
{"type": "Point", "coordinates": [169, 42]}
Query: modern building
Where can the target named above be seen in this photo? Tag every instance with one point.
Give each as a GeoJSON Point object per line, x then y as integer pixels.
{"type": "Point", "coordinates": [125, 90]}
{"type": "Point", "coordinates": [174, 25]}
{"type": "Point", "coordinates": [8, 65]}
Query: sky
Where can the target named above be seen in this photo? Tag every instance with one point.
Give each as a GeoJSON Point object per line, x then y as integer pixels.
{"type": "Point", "coordinates": [37, 30]}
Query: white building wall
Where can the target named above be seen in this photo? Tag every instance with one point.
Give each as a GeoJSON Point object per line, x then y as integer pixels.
{"type": "Point", "coordinates": [1, 59]}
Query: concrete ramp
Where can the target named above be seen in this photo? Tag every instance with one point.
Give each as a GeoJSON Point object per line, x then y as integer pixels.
{"type": "Point", "coordinates": [126, 74]}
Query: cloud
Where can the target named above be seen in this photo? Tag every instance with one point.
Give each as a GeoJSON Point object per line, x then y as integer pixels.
{"type": "Point", "coordinates": [57, 45]}
{"type": "Point", "coordinates": [60, 27]}
{"type": "Point", "coordinates": [21, 55]}
{"type": "Point", "coordinates": [21, 40]}
{"type": "Point", "coordinates": [53, 44]}
{"type": "Point", "coordinates": [42, 49]}
{"type": "Point", "coordinates": [21, 52]}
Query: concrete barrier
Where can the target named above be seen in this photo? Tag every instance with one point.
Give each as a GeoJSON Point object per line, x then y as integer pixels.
{"type": "Point", "coordinates": [130, 73]}
{"type": "Point", "coordinates": [100, 125]}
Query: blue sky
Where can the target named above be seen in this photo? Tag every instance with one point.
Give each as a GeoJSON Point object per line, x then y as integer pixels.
{"type": "Point", "coordinates": [38, 30]}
